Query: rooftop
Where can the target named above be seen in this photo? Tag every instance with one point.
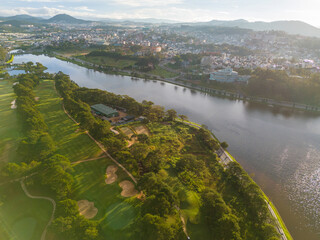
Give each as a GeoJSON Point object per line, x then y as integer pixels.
{"type": "Point", "coordinates": [103, 109]}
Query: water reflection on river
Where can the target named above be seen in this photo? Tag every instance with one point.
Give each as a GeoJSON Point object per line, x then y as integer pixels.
{"type": "Point", "coordinates": [280, 149]}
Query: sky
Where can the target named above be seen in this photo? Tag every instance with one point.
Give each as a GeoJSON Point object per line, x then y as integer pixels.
{"type": "Point", "coordinates": [179, 10]}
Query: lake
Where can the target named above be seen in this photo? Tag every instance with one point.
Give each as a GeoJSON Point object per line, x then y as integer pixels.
{"type": "Point", "coordinates": [280, 149]}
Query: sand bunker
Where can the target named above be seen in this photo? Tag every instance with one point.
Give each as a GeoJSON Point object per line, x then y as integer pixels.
{"type": "Point", "coordinates": [111, 174]}
{"type": "Point", "coordinates": [87, 209]}
{"type": "Point", "coordinates": [13, 104]}
{"type": "Point", "coordinates": [36, 98]}
{"type": "Point", "coordinates": [128, 189]}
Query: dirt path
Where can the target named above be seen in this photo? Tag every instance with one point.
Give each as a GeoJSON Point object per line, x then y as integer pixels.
{"type": "Point", "coordinates": [89, 160]}
{"type": "Point", "coordinates": [184, 226]}
{"type": "Point", "coordinates": [43, 235]}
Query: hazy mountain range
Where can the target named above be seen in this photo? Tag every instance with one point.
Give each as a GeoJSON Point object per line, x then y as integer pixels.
{"type": "Point", "coordinates": [291, 27]}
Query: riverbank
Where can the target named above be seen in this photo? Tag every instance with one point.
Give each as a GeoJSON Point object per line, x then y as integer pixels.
{"type": "Point", "coordinates": [215, 92]}
{"type": "Point", "coordinates": [223, 155]}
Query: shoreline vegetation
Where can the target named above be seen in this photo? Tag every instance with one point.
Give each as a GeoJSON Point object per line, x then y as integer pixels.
{"type": "Point", "coordinates": [272, 103]}
{"type": "Point", "coordinates": [184, 185]}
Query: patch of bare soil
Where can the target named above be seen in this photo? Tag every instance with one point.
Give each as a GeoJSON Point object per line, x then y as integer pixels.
{"type": "Point", "coordinates": [142, 129]}
{"type": "Point", "coordinates": [132, 141]}
{"type": "Point", "coordinates": [36, 98]}
{"type": "Point", "coordinates": [13, 104]}
{"type": "Point", "coordinates": [111, 174]}
{"type": "Point", "coordinates": [128, 189]}
{"type": "Point", "coordinates": [87, 209]}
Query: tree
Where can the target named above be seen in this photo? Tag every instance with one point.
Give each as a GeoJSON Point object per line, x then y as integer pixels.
{"type": "Point", "coordinates": [183, 117]}
{"type": "Point", "coordinates": [152, 227]}
{"type": "Point", "coordinates": [171, 114]}
{"type": "Point", "coordinates": [3, 54]}
{"type": "Point", "coordinates": [55, 175]}
{"type": "Point", "coordinates": [224, 145]}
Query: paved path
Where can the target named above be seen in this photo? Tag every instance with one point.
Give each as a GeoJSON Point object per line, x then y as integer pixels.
{"type": "Point", "coordinates": [43, 235]}
{"type": "Point", "coordinates": [279, 228]}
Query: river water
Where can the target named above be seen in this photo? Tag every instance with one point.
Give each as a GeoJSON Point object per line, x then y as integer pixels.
{"type": "Point", "coordinates": [280, 149]}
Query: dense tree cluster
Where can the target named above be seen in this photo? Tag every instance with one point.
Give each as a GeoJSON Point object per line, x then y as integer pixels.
{"type": "Point", "coordinates": [145, 63]}
{"type": "Point", "coordinates": [278, 85]}
{"type": "Point", "coordinates": [246, 199]}
{"type": "Point", "coordinates": [37, 143]}
{"type": "Point", "coordinates": [222, 223]}
{"type": "Point", "coordinates": [3, 54]}
{"type": "Point", "coordinates": [68, 224]}
{"type": "Point", "coordinates": [80, 110]}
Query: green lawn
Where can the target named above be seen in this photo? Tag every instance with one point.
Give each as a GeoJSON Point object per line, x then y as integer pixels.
{"type": "Point", "coordinates": [162, 73]}
{"type": "Point", "coordinates": [115, 213]}
{"type": "Point", "coordinates": [108, 61]}
{"type": "Point", "coordinates": [190, 208]}
{"type": "Point", "coordinates": [22, 218]}
{"type": "Point", "coordinates": [70, 142]}
{"type": "Point", "coordinates": [10, 131]}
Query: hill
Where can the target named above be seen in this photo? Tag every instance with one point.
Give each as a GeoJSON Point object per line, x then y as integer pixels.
{"type": "Point", "coordinates": [291, 27]}
{"type": "Point", "coordinates": [23, 18]}
{"type": "Point", "coordinates": [66, 19]}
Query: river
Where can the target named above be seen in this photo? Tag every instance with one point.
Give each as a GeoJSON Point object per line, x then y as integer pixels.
{"type": "Point", "coordinates": [280, 149]}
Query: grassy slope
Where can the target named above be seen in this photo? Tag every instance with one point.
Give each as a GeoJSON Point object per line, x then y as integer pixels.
{"type": "Point", "coordinates": [115, 213]}
{"type": "Point", "coordinates": [14, 204]}
{"type": "Point", "coordinates": [10, 132]}
{"type": "Point", "coordinates": [162, 73]}
{"type": "Point", "coordinates": [70, 143]}
{"type": "Point", "coordinates": [108, 61]}
{"type": "Point", "coordinates": [24, 218]}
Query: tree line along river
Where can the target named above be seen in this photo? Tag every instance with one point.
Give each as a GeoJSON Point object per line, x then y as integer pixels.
{"type": "Point", "coordinates": [280, 149]}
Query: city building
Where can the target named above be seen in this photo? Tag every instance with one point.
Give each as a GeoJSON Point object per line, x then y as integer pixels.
{"type": "Point", "coordinates": [228, 75]}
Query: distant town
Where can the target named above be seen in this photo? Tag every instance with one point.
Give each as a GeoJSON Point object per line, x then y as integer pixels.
{"type": "Point", "coordinates": [217, 47]}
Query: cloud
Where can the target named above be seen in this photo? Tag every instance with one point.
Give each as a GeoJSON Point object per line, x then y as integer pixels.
{"type": "Point", "coordinates": [44, 12]}
{"type": "Point", "coordinates": [84, 8]}
{"type": "Point", "coordinates": [50, 1]}
{"type": "Point", "coordinates": [147, 3]}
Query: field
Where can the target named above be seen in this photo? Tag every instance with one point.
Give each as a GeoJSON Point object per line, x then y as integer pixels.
{"type": "Point", "coordinates": [9, 126]}
{"type": "Point", "coordinates": [108, 61]}
{"type": "Point", "coordinates": [22, 218]}
{"type": "Point", "coordinates": [71, 142]}
{"type": "Point", "coordinates": [162, 73]}
{"type": "Point", "coordinates": [115, 213]}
